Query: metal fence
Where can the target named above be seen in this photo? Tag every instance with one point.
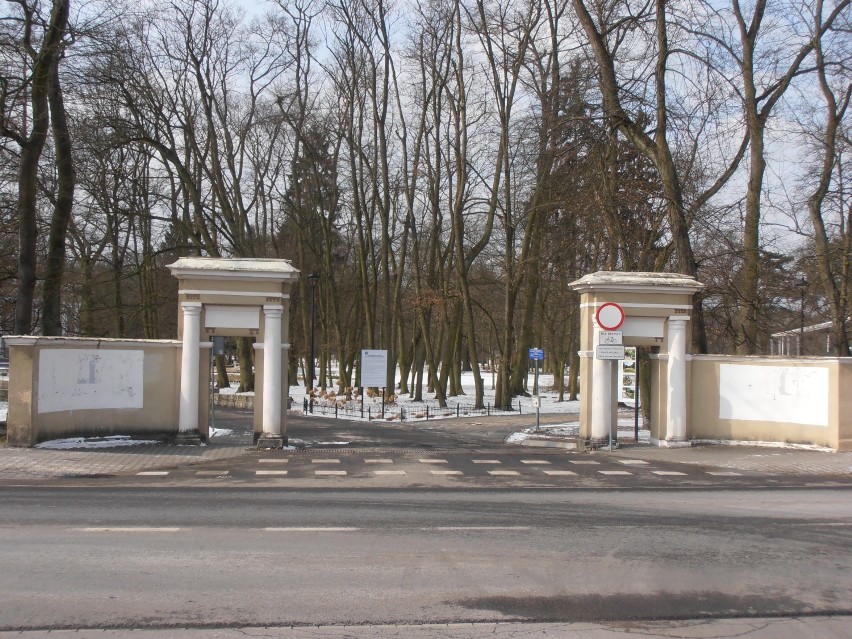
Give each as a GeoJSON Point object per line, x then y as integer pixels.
{"type": "Point", "coordinates": [403, 412]}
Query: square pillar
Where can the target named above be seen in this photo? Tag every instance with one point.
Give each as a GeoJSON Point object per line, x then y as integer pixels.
{"type": "Point", "coordinates": [271, 409]}
{"type": "Point", "coordinates": [189, 384]}
{"type": "Point", "coordinates": [676, 381]}
{"type": "Point", "coordinates": [602, 397]}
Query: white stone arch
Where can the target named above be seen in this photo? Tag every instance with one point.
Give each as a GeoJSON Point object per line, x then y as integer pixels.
{"type": "Point", "coordinates": [235, 298]}
{"type": "Point", "coordinates": [657, 309]}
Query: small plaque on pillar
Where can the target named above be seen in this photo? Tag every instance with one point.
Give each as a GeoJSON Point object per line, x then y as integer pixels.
{"type": "Point", "coordinates": [609, 351]}
{"type": "Point", "coordinates": [610, 337]}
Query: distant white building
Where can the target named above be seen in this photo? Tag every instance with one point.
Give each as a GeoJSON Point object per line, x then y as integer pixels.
{"type": "Point", "coordinates": [808, 340]}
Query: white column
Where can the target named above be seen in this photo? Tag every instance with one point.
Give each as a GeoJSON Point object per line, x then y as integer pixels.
{"type": "Point", "coordinates": [189, 362]}
{"type": "Point", "coordinates": [676, 380]}
{"type": "Point", "coordinates": [601, 392]}
{"type": "Point", "coordinates": [271, 418]}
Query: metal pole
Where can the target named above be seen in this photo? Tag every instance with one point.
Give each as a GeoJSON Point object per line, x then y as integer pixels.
{"type": "Point", "coordinates": [636, 397]}
{"type": "Point", "coordinates": [537, 397]}
{"type": "Point", "coordinates": [803, 283]}
{"type": "Point", "coordinates": [312, 278]}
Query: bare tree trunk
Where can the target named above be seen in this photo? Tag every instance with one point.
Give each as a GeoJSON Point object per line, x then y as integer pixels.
{"type": "Point", "coordinates": [835, 284]}
{"type": "Point", "coordinates": [66, 180]}
{"type": "Point", "coordinates": [31, 148]}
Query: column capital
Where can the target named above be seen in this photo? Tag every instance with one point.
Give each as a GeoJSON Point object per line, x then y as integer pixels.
{"type": "Point", "coordinates": [191, 308]}
{"type": "Point", "coordinates": [678, 318]}
{"type": "Point", "coordinates": [272, 309]}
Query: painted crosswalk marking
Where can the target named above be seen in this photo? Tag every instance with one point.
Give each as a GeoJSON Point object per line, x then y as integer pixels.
{"type": "Point", "coordinates": [527, 467]}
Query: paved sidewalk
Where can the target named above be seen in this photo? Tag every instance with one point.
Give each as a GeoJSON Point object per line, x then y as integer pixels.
{"type": "Point", "coordinates": [34, 463]}
{"type": "Point", "coordinates": [762, 459]}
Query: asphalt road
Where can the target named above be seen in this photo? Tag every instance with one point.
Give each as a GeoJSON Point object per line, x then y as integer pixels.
{"type": "Point", "coordinates": [404, 530]}
{"type": "Point", "coordinates": [205, 557]}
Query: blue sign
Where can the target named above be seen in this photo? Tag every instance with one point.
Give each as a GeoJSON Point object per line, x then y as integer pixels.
{"type": "Point", "coordinates": [537, 353]}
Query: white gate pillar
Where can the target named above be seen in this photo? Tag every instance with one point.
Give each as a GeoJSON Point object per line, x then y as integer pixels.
{"type": "Point", "coordinates": [676, 380]}
{"type": "Point", "coordinates": [602, 398]}
{"type": "Point", "coordinates": [271, 435]}
{"type": "Point", "coordinates": [189, 363]}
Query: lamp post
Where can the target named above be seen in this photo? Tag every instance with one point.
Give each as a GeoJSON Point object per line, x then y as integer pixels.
{"type": "Point", "coordinates": [803, 285]}
{"type": "Point", "coordinates": [313, 278]}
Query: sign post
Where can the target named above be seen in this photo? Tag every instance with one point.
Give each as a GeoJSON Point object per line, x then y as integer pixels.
{"type": "Point", "coordinates": [536, 354]}
{"type": "Point", "coordinates": [374, 372]}
{"type": "Point", "coordinates": [610, 317]}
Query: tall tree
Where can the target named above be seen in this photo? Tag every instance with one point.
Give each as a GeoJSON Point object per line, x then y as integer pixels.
{"type": "Point", "coordinates": [42, 60]}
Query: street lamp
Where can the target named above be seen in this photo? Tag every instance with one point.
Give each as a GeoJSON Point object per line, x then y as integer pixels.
{"type": "Point", "coordinates": [313, 278]}
{"type": "Point", "coordinates": [803, 285]}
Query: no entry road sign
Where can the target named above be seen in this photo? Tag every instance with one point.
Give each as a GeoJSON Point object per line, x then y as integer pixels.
{"type": "Point", "coordinates": [610, 316]}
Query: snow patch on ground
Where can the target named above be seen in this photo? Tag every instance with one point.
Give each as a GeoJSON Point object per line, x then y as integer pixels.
{"type": "Point", "coordinates": [625, 432]}
{"type": "Point", "coordinates": [4, 411]}
{"type": "Point", "coordinates": [94, 442]}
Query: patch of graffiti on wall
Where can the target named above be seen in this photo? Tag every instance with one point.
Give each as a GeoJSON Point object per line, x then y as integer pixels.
{"type": "Point", "coordinates": [81, 379]}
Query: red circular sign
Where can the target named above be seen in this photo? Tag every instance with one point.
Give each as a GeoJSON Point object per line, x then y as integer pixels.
{"type": "Point", "coordinates": [610, 316]}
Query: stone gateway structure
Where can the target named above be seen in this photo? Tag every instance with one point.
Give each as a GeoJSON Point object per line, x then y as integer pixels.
{"type": "Point", "coordinates": [703, 398]}
{"type": "Point", "coordinates": [656, 308]}
{"type": "Point", "coordinates": [235, 298]}
{"type": "Point", "coordinates": [70, 387]}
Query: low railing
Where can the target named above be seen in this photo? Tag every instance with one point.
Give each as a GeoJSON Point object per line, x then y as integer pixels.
{"type": "Point", "coordinates": [404, 412]}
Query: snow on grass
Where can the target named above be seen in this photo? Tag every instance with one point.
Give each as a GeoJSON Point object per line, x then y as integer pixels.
{"type": "Point", "coordinates": [549, 397]}
{"type": "Point", "coordinates": [4, 411]}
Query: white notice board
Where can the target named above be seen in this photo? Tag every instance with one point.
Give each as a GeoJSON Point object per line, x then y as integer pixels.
{"type": "Point", "coordinates": [374, 368]}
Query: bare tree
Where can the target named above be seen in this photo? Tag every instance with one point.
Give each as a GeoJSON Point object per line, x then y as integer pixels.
{"type": "Point", "coordinates": [41, 60]}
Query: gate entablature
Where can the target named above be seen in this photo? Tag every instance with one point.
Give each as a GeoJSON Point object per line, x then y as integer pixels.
{"type": "Point", "coordinates": [657, 309]}
{"type": "Point", "coordinates": [236, 298]}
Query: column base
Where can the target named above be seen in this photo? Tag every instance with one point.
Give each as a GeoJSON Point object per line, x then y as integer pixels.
{"type": "Point", "coordinates": [671, 443]}
{"type": "Point", "coordinates": [188, 438]}
{"type": "Point", "coordinates": [600, 442]}
{"type": "Point", "coordinates": [268, 440]}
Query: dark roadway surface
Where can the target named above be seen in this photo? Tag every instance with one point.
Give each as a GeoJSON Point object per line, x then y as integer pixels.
{"type": "Point", "coordinates": [216, 545]}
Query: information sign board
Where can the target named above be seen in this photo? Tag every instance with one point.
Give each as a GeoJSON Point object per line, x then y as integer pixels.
{"type": "Point", "coordinates": [536, 353]}
{"type": "Point", "coordinates": [609, 351]}
{"type": "Point", "coordinates": [374, 368]}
